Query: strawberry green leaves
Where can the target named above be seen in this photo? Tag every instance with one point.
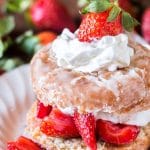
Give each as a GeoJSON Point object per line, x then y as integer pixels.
{"type": "Point", "coordinates": [97, 6]}
{"type": "Point", "coordinates": [114, 13]}
{"type": "Point", "coordinates": [128, 21]}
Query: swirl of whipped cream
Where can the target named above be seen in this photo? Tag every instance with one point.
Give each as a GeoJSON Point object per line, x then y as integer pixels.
{"type": "Point", "coordinates": [109, 52]}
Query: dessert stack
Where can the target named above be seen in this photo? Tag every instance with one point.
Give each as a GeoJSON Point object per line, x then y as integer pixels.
{"type": "Point", "coordinates": [92, 87]}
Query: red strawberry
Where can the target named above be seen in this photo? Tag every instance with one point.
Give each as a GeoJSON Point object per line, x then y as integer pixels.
{"type": "Point", "coordinates": [50, 14]}
{"type": "Point", "coordinates": [23, 144]}
{"type": "Point", "coordinates": [127, 6]}
{"type": "Point", "coordinates": [12, 146]}
{"type": "Point", "coordinates": [95, 25]}
{"type": "Point", "coordinates": [43, 111]}
{"type": "Point", "coordinates": [146, 25]}
{"type": "Point", "coordinates": [116, 133]}
{"type": "Point", "coordinates": [59, 125]}
{"type": "Point", "coordinates": [101, 21]}
{"type": "Point", "coordinates": [85, 123]}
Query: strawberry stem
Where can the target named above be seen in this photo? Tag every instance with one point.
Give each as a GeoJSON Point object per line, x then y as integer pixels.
{"type": "Point", "coordinates": [116, 2]}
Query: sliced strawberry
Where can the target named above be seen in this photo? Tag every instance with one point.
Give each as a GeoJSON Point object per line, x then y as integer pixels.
{"type": "Point", "coordinates": [12, 146]}
{"type": "Point", "coordinates": [59, 125]}
{"type": "Point", "coordinates": [23, 143]}
{"type": "Point", "coordinates": [43, 111]}
{"type": "Point", "coordinates": [85, 123]}
{"type": "Point", "coordinates": [116, 133]}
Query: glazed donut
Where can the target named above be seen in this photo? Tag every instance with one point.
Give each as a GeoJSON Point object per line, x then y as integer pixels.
{"type": "Point", "coordinates": [112, 92]}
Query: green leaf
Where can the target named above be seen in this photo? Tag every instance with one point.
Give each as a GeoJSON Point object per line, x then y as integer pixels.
{"type": "Point", "coordinates": [128, 21]}
{"type": "Point", "coordinates": [116, 2]}
{"type": "Point", "coordinates": [115, 11]}
{"type": "Point", "coordinates": [1, 48]}
{"type": "Point", "coordinates": [7, 24]}
{"type": "Point", "coordinates": [17, 6]}
{"type": "Point", "coordinates": [97, 6]}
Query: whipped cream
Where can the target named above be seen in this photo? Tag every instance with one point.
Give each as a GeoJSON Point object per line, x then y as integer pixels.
{"type": "Point", "coordinates": [139, 118]}
{"type": "Point", "coordinates": [109, 52]}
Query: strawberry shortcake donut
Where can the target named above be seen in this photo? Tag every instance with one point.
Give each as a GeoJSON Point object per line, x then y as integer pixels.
{"type": "Point", "coordinates": [92, 86]}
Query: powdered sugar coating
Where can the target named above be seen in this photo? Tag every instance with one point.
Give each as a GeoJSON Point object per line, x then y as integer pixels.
{"type": "Point", "coordinates": [103, 90]}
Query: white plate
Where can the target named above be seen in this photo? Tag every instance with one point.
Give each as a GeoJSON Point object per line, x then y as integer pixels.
{"type": "Point", "coordinates": [16, 97]}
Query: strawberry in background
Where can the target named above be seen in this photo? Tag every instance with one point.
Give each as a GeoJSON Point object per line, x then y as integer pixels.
{"type": "Point", "coordinates": [29, 43]}
{"type": "Point", "coordinates": [50, 14]}
{"type": "Point", "coordinates": [128, 6]}
{"type": "Point", "coordinates": [146, 25]}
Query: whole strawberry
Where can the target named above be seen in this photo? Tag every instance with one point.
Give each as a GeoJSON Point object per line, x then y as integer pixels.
{"type": "Point", "coordinates": [146, 25]}
{"type": "Point", "coordinates": [104, 18]}
{"type": "Point", "coordinates": [95, 25]}
{"type": "Point", "coordinates": [50, 14]}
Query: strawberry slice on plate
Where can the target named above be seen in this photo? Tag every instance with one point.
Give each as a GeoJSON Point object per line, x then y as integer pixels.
{"type": "Point", "coordinates": [116, 133]}
{"type": "Point", "coordinates": [23, 143]}
{"type": "Point", "coordinates": [59, 124]}
{"type": "Point", "coordinates": [86, 125]}
{"type": "Point", "coordinates": [43, 111]}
